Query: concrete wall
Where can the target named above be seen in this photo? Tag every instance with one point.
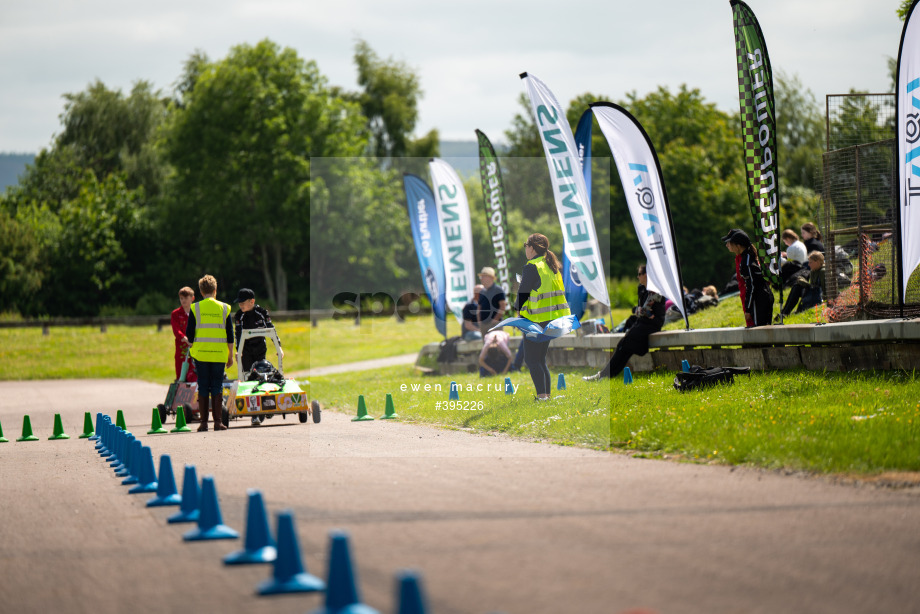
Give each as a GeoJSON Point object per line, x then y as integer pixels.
{"type": "Point", "coordinates": [879, 344]}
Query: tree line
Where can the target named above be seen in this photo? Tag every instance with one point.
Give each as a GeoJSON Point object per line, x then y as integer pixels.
{"type": "Point", "coordinates": [255, 169]}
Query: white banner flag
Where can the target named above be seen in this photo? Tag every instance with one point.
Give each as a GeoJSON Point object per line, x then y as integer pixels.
{"type": "Point", "coordinates": [908, 110]}
{"type": "Point", "coordinates": [640, 174]}
{"type": "Point", "coordinates": [569, 190]}
{"type": "Point", "coordinates": [456, 235]}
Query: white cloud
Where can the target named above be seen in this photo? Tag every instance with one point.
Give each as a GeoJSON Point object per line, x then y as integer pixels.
{"type": "Point", "coordinates": [468, 55]}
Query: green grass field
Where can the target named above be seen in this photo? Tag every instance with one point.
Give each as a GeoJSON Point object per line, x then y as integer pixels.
{"type": "Point", "coordinates": [854, 423]}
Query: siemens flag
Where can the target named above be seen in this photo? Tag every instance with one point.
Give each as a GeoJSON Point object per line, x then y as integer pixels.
{"type": "Point", "coordinates": [569, 189]}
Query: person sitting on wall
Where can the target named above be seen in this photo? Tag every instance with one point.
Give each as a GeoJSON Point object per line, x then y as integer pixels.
{"type": "Point", "coordinates": [649, 319]}
{"type": "Point", "coordinates": [471, 330]}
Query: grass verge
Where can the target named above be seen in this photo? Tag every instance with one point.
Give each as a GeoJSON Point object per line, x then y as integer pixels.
{"type": "Point", "coordinates": [853, 423]}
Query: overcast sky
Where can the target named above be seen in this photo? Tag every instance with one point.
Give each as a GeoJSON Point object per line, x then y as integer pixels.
{"type": "Point", "coordinates": [468, 54]}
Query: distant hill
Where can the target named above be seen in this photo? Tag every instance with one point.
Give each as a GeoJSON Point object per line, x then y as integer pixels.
{"type": "Point", "coordinates": [462, 155]}
{"type": "Point", "coordinates": [12, 165]}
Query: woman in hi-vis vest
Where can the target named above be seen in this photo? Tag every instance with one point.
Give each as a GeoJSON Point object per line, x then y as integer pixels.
{"type": "Point", "coordinates": [540, 299]}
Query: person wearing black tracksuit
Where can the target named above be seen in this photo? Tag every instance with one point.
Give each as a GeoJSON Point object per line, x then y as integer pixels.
{"type": "Point", "coordinates": [249, 316]}
{"type": "Point", "coordinates": [757, 297]}
{"type": "Point", "coordinates": [649, 319]}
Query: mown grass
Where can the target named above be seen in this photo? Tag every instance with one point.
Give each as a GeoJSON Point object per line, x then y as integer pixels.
{"type": "Point", "coordinates": [852, 423]}
{"type": "Point", "coordinates": [143, 353]}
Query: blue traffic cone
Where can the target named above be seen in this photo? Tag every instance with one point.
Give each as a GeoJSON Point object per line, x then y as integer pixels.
{"type": "Point", "coordinates": [101, 434]}
{"type": "Point", "coordinates": [409, 591]}
{"type": "Point", "coordinates": [342, 590]}
{"type": "Point", "coordinates": [109, 452]}
{"type": "Point", "coordinates": [119, 459]}
{"type": "Point", "coordinates": [96, 434]}
{"type": "Point", "coordinates": [188, 508]}
{"type": "Point", "coordinates": [106, 434]}
{"type": "Point", "coordinates": [288, 573]}
{"type": "Point", "coordinates": [258, 547]}
{"type": "Point", "coordinates": [147, 476]}
{"type": "Point", "coordinates": [134, 463]}
{"type": "Point", "coordinates": [210, 523]}
{"type": "Point", "coordinates": [627, 376]}
{"type": "Point", "coordinates": [454, 392]}
{"type": "Point", "coordinates": [125, 449]}
{"type": "Point", "coordinates": [509, 387]}
{"type": "Point", "coordinates": [166, 485]}
{"type": "Point", "coordinates": [117, 447]}
{"type": "Point", "coordinates": [685, 366]}
{"type": "Point", "coordinates": [560, 385]}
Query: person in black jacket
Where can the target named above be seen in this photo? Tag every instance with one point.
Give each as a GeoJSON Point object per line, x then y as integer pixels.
{"type": "Point", "coordinates": [756, 295]}
{"type": "Point", "coordinates": [811, 236]}
{"type": "Point", "coordinates": [248, 316]}
{"type": "Point", "coordinates": [649, 319]}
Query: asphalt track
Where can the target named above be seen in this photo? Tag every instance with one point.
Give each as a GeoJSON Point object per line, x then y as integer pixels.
{"type": "Point", "coordinates": [494, 524]}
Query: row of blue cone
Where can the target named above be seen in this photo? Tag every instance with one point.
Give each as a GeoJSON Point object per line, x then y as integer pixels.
{"type": "Point", "coordinates": [134, 461]}
{"type": "Point", "coordinates": [454, 394]}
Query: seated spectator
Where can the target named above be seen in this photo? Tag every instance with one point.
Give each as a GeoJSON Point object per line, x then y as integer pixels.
{"type": "Point", "coordinates": [649, 319]}
{"type": "Point", "coordinates": [808, 290]}
{"type": "Point", "coordinates": [495, 356]}
{"type": "Point", "coordinates": [492, 301]}
{"type": "Point", "coordinates": [471, 317]}
{"type": "Point", "coordinates": [794, 258]}
{"type": "Point", "coordinates": [811, 236]}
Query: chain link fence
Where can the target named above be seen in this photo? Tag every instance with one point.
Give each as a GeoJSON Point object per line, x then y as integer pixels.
{"type": "Point", "coordinates": [859, 215]}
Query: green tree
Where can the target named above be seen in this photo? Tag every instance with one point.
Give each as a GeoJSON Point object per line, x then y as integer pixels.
{"type": "Point", "coordinates": [904, 9]}
{"type": "Point", "coordinates": [90, 264]}
{"type": "Point", "coordinates": [800, 133]}
{"type": "Point", "coordinates": [26, 233]}
{"type": "Point", "coordinates": [110, 133]}
{"type": "Point", "coordinates": [241, 142]}
{"type": "Point", "coordinates": [389, 101]}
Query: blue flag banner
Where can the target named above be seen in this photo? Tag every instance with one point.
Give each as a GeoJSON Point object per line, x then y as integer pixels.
{"type": "Point", "coordinates": [426, 233]}
{"type": "Point", "coordinates": [575, 293]}
{"type": "Point", "coordinates": [534, 332]}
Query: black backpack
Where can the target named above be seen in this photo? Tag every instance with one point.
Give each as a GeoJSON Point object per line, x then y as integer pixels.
{"type": "Point", "coordinates": [698, 378]}
{"type": "Point", "coordinates": [448, 351]}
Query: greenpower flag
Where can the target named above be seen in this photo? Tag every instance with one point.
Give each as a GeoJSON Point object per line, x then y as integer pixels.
{"type": "Point", "coordinates": [758, 126]}
{"type": "Point", "coordinates": [493, 198]}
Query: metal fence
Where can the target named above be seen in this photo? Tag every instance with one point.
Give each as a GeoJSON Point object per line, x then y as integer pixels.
{"type": "Point", "coordinates": [859, 217]}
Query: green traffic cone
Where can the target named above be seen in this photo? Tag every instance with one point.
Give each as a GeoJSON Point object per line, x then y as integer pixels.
{"type": "Point", "coordinates": [88, 430]}
{"type": "Point", "coordinates": [362, 411]}
{"type": "Point", "coordinates": [390, 411]}
{"type": "Point", "coordinates": [59, 429]}
{"type": "Point", "coordinates": [181, 427]}
{"type": "Point", "coordinates": [2, 438]}
{"type": "Point", "coordinates": [120, 421]}
{"type": "Point", "coordinates": [156, 426]}
{"type": "Point", "coordinates": [27, 430]}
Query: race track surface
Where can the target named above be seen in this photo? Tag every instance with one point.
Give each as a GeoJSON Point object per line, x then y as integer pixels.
{"type": "Point", "coordinates": [494, 524]}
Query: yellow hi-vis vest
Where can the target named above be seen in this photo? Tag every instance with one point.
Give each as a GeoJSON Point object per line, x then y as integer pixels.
{"type": "Point", "coordinates": [210, 342]}
{"type": "Point", "coordinates": [548, 301]}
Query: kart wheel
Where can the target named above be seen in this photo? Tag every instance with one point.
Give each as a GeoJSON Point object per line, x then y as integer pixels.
{"type": "Point", "coordinates": [188, 413]}
{"type": "Point", "coordinates": [225, 417]}
{"type": "Point", "coordinates": [302, 416]}
{"type": "Point", "coordinates": [163, 413]}
{"type": "Point", "coordinates": [317, 412]}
